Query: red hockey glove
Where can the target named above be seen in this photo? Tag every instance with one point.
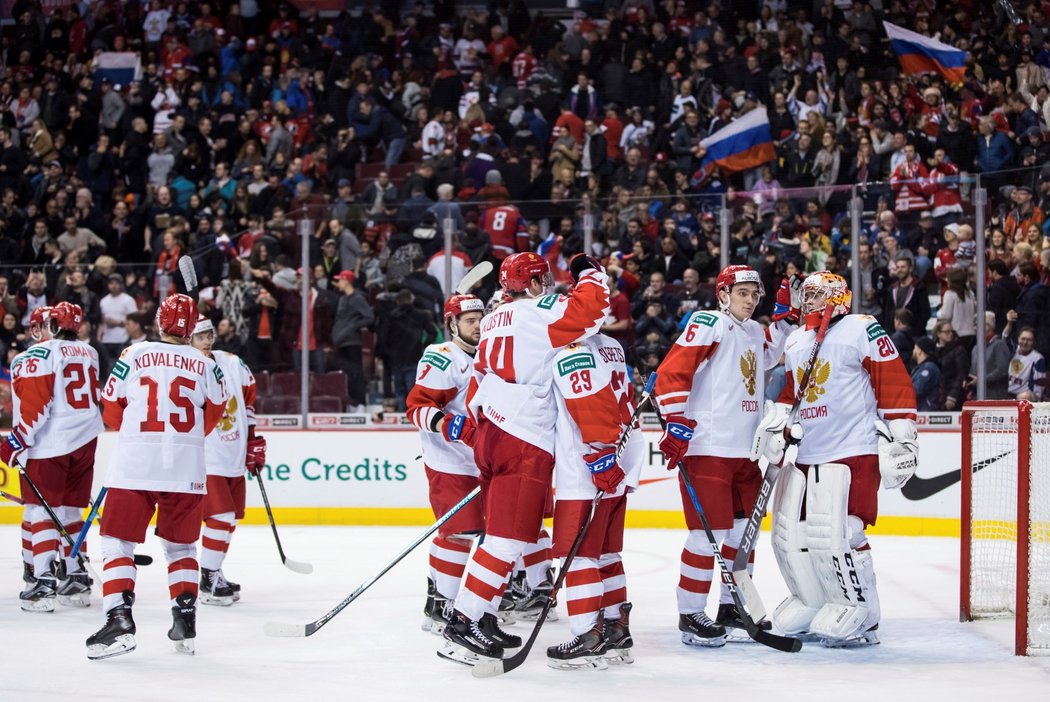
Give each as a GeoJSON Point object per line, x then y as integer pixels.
{"type": "Point", "coordinates": [675, 441]}
{"type": "Point", "coordinates": [11, 447]}
{"type": "Point", "coordinates": [458, 427]}
{"type": "Point", "coordinates": [256, 458]}
{"type": "Point", "coordinates": [606, 473]}
{"type": "Point", "coordinates": [789, 300]}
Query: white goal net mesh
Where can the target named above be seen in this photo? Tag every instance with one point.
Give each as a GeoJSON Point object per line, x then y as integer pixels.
{"type": "Point", "coordinates": [998, 456]}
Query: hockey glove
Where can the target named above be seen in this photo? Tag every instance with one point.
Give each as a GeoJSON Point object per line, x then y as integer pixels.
{"type": "Point", "coordinates": [11, 447]}
{"type": "Point", "coordinates": [898, 451]}
{"type": "Point", "coordinates": [458, 427]}
{"type": "Point", "coordinates": [771, 438]}
{"type": "Point", "coordinates": [582, 262]}
{"type": "Point", "coordinates": [606, 473]}
{"type": "Point", "coordinates": [675, 441]}
{"type": "Point", "coordinates": [255, 461]}
{"type": "Point", "coordinates": [788, 304]}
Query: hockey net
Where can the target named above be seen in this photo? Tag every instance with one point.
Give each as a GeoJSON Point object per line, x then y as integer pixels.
{"type": "Point", "coordinates": [1006, 518]}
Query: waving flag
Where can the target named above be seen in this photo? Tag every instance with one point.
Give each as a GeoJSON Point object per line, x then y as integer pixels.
{"type": "Point", "coordinates": [744, 144]}
{"type": "Point", "coordinates": [919, 54]}
{"type": "Point", "coordinates": [119, 66]}
{"type": "Point", "coordinates": [550, 249]}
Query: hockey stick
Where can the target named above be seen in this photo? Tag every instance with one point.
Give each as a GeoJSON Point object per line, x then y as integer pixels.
{"type": "Point", "coordinates": [13, 498]}
{"type": "Point", "coordinates": [297, 566]}
{"type": "Point", "coordinates": [766, 638]}
{"type": "Point", "coordinates": [140, 559]}
{"type": "Point", "coordinates": [754, 522]}
{"type": "Point", "coordinates": [473, 277]}
{"type": "Point", "coordinates": [493, 668]}
{"type": "Point", "coordinates": [189, 273]}
{"type": "Point", "coordinates": [299, 630]}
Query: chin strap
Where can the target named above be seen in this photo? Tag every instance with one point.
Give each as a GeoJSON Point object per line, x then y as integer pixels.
{"type": "Point", "coordinates": [454, 331]}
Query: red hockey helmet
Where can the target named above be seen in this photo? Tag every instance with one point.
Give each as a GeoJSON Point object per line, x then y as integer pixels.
{"type": "Point", "coordinates": [458, 304]}
{"type": "Point", "coordinates": [38, 316]}
{"type": "Point", "coordinates": [177, 315]}
{"type": "Point", "coordinates": [518, 270]}
{"type": "Point", "coordinates": [732, 275]}
{"type": "Point", "coordinates": [67, 316]}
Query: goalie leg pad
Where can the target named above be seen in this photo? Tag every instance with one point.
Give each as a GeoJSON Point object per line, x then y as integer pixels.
{"type": "Point", "coordinates": [846, 574]}
{"type": "Point", "coordinates": [790, 545]}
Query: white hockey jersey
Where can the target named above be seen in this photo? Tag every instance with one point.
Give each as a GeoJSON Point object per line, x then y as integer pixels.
{"type": "Point", "coordinates": [513, 370]}
{"type": "Point", "coordinates": [55, 397]}
{"type": "Point", "coordinates": [442, 377]}
{"type": "Point", "coordinates": [858, 376]}
{"type": "Point", "coordinates": [163, 399]}
{"type": "Point", "coordinates": [593, 392]}
{"type": "Point", "coordinates": [226, 448]}
{"type": "Point", "coordinates": [715, 374]}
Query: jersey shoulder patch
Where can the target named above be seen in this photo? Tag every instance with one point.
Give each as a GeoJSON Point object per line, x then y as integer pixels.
{"type": "Point", "coordinates": [575, 362]}
{"type": "Point", "coordinates": [41, 352]}
{"type": "Point", "coordinates": [120, 370]}
{"type": "Point", "coordinates": [436, 359]}
{"type": "Point", "coordinates": [708, 319]}
{"type": "Point", "coordinates": [217, 372]}
{"type": "Point", "coordinates": [875, 330]}
{"type": "Point", "coordinates": [547, 302]}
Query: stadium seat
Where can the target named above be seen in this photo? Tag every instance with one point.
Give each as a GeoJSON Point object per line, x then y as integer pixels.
{"type": "Point", "coordinates": [262, 383]}
{"type": "Point", "coordinates": [403, 170]}
{"type": "Point", "coordinates": [368, 352]}
{"type": "Point", "coordinates": [327, 404]}
{"type": "Point", "coordinates": [369, 171]}
{"type": "Point", "coordinates": [284, 384]}
{"type": "Point", "coordinates": [279, 404]}
{"type": "Point", "coordinates": [331, 384]}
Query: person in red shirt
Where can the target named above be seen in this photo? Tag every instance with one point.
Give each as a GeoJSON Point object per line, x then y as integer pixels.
{"type": "Point", "coordinates": [502, 48]}
{"type": "Point", "coordinates": [523, 66]}
{"type": "Point", "coordinates": [618, 324]}
{"type": "Point", "coordinates": [613, 132]}
{"type": "Point", "coordinates": [506, 229]}
{"type": "Point", "coordinates": [570, 121]}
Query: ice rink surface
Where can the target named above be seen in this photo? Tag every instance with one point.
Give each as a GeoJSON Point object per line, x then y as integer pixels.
{"type": "Point", "coordinates": [374, 649]}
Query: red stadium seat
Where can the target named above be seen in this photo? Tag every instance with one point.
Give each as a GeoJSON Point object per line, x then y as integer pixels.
{"type": "Point", "coordinates": [262, 383]}
{"type": "Point", "coordinates": [327, 404]}
{"type": "Point", "coordinates": [279, 404]}
{"type": "Point", "coordinates": [369, 171]}
{"type": "Point", "coordinates": [284, 384]}
{"type": "Point", "coordinates": [403, 170]}
{"type": "Point", "coordinates": [331, 384]}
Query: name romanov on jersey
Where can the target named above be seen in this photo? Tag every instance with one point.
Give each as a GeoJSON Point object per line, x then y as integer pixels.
{"type": "Point", "coordinates": [499, 318]}
{"type": "Point", "coordinates": [77, 351]}
{"type": "Point", "coordinates": [176, 361]}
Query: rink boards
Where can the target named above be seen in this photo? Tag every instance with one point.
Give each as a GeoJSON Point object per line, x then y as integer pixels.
{"type": "Point", "coordinates": [372, 476]}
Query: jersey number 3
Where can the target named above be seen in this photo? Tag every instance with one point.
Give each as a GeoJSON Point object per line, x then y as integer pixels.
{"type": "Point", "coordinates": [181, 423]}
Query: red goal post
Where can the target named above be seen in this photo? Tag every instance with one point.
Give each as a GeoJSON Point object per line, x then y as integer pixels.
{"type": "Point", "coordinates": [1005, 519]}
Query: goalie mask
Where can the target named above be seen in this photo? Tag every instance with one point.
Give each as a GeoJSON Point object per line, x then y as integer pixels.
{"type": "Point", "coordinates": [823, 288]}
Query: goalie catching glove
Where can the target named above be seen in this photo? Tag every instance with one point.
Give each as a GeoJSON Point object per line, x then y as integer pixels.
{"type": "Point", "coordinates": [606, 473]}
{"type": "Point", "coordinates": [898, 451]}
{"type": "Point", "coordinates": [770, 438]}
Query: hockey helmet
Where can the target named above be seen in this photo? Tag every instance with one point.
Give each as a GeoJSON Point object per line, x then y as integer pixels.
{"type": "Point", "coordinates": [203, 325]}
{"type": "Point", "coordinates": [824, 288]}
{"type": "Point", "coordinates": [458, 304]}
{"type": "Point", "coordinates": [734, 275]}
{"type": "Point", "coordinates": [67, 316]}
{"type": "Point", "coordinates": [517, 271]}
{"type": "Point", "coordinates": [177, 315]}
{"type": "Point", "coordinates": [38, 316]}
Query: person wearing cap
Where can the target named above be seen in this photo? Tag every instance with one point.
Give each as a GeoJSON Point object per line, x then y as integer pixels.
{"type": "Point", "coordinates": [926, 376]}
{"type": "Point", "coordinates": [1024, 213]}
{"type": "Point", "coordinates": [352, 314]}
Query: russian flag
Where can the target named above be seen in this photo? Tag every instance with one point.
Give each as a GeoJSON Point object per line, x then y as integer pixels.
{"type": "Point", "coordinates": [550, 249]}
{"type": "Point", "coordinates": [744, 144]}
{"type": "Point", "coordinates": [121, 67]}
{"type": "Point", "coordinates": [919, 54]}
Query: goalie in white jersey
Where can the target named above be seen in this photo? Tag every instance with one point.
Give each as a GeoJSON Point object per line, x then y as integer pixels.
{"type": "Point", "coordinates": [594, 409]}
{"type": "Point", "coordinates": [856, 418]}
{"type": "Point", "coordinates": [710, 388]}
{"type": "Point", "coordinates": [56, 390]}
{"type": "Point", "coordinates": [229, 452]}
{"type": "Point", "coordinates": [163, 398]}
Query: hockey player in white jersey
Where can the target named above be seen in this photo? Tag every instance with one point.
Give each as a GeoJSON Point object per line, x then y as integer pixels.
{"type": "Point", "coordinates": [514, 404]}
{"type": "Point", "coordinates": [710, 388]}
{"type": "Point", "coordinates": [594, 409]}
{"type": "Point", "coordinates": [56, 386]}
{"type": "Point", "coordinates": [229, 452]}
{"type": "Point", "coordinates": [437, 404]}
{"type": "Point", "coordinates": [163, 398]}
{"type": "Point", "coordinates": [856, 419]}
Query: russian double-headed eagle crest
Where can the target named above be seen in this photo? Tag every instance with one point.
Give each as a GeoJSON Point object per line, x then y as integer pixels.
{"type": "Point", "coordinates": [749, 369]}
{"type": "Point", "coordinates": [820, 376]}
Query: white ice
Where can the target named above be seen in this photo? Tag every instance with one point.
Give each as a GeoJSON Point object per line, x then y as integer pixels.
{"type": "Point", "coordinates": [374, 649]}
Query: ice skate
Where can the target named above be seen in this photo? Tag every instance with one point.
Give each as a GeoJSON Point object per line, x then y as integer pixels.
{"type": "Point", "coordinates": [75, 591]}
{"type": "Point", "coordinates": [490, 627]}
{"type": "Point", "coordinates": [867, 637]}
{"type": "Point", "coordinates": [516, 591]}
{"type": "Point", "coordinates": [428, 608]}
{"type": "Point", "coordinates": [235, 587]}
{"type": "Point", "coordinates": [214, 592]}
{"type": "Point", "coordinates": [439, 617]}
{"type": "Point", "coordinates": [698, 630]}
{"type": "Point", "coordinates": [40, 597]}
{"type": "Point", "coordinates": [184, 623]}
{"type": "Point", "coordinates": [466, 643]}
{"type": "Point", "coordinates": [584, 652]}
{"type": "Point", "coordinates": [27, 577]}
{"type": "Point", "coordinates": [117, 637]}
{"type": "Point", "coordinates": [618, 641]}
{"type": "Point", "coordinates": [529, 607]}
{"type": "Point", "coordinates": [729, 617]}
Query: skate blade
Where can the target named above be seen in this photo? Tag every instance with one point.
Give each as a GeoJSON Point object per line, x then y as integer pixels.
{"type": "Point", "coordinates": [506, 617]}
{"type": "Point", "coordinates": [82, 599]}
{"type": "Point", "coordinates": [618, 656]}
{"type": "Point", "coordinates": [869, 638]}
{"type": "Point", "coordinates": [459, 654]}
{"type": "Point", "coordinates": [428, 624]}
{"type": "Point", "coordinates": [437, 628]}
{"type": "Point", "coordinates": [216, 601]}
{"type": "Point", "coordinates": [185, 647]}
{"type": "Point", "coordinates": [533, 615]}
{"type": "Point", "coordinates": [584, 663]}
{"type": "Point", "coordinates": [46, 604]}
{"type": "Point", "coordinates": [125, 643]}
{"type": "Point", "coordinates": [693, 640]}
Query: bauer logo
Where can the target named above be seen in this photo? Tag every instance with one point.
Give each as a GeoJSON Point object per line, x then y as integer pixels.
{"type": "Point", "coordinates": [437, 360]}
{"type": "Point", "coordinates": [120, 370]}
{"type": "Point", "coordinates": [575, 362]}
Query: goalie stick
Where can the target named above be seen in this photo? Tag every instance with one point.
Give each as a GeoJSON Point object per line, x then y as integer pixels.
{"type": "Point", "coordinates": [297, 566]}
{"type": "Point", "coordinates": [299, 630]}
{"type": "Point", "coordinates": [754, 522]}
{"type": "Point", "coordinates": [494, 668]}
{"type": "Point", "coordinates": [766, 638]}
{"type": "Point", "coordinates": [472, 277]}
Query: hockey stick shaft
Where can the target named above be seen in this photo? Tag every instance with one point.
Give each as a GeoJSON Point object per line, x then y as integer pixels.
{"type": "Point", "coordinates": [82, 536]}
{"type": "Point", "coordinates": [11, 498]}
{"type": "Point", "coordinates": [295, 565]}
{"type": "Point", "coordinates": [312, 627]}
{"type": "Point", "coordinates": [765, 491]}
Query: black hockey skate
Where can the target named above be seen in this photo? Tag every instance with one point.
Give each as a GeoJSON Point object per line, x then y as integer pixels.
{"type": "Point", "coordinates": [27, 577]}
{"type": "Point", "coordinates": [75, 590]}
{"type": "Point", "coordinates": [236, 587]}
{"type": "Point", "coordinates": [40, 597]}
{"type": "Point", "coordinates": [213, 591]}
{"type": "Point", "coordinates": [583, 652]}
{"type": "Point", "coordinates": [117, 637]}
{"type": "Point", "coordinates": [184, 623]}
{"type": "Point", "coordinates": [698, 630]}
{"type": "Point", "coordinates": [530, 606]}
{"type": "Point", "coordinates": [428, 608]}
{"type": "Point", "coordinates": [490, 627]}
{"type": "Point", "coordinates": [729, 617]}
{"type": "Point", "coordinates": [618, 641]}
{"type": "Point", "coordinates": [516, 591]}
{"type": "Point", "coordinates": [441, 615]}
{"type": "Point", "coordinates": [466, 643]}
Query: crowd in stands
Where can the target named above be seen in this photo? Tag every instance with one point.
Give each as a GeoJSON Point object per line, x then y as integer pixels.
{"type": "Point", "coordinates": [256, 128]}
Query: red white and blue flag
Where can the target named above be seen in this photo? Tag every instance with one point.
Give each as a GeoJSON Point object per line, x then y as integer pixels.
{"type": "Point", "coordinates": [920, 54]}
{"type": "Point", "coordinates": [746, 143]}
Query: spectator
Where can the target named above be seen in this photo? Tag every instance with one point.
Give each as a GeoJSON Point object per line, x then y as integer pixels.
{"type": "Point", "coordinates": [352, 315]}
{"type": "Point", "coordinates": [902, 338]}
{"type": "Point", "coordinates": [907, 292]}
{"type": "Point", "coordinates": [926, 376]}
{"type": "Point", "coordinates": [114, 308]}
{"type": "Point", "coordinates": [997, 357]}
{"type": "Point", "coordinates": [1033, 305]}
{"type": "Point", "coordinates": [226, 338]}
{"type": "Point", "coordinates": [669, 262]}
{"type": "Point", "coordinates": [402, 332]}
{"type": "Point", "coordinates": [1027, 369]}
{"type": "Point", "coordinates": [618, 324]}
{"type": "Point", "coordinates": [959, 307]}
{"type": "Point", "coordinates": [954, 360]}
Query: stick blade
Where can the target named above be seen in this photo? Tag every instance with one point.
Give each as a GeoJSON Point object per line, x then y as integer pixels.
{"type": "Point", "coordinates": [749, 593]}
{"type": "Point", "coordinates": [189, 273]}
{"type": "Point", "coordinates": [282, 630]}
{"type": "Point", "coordinates": [780, 643]}
{"type": "Point", "coordinates": [473, 277]}
{"type": "Point", "coordinates": [488, 669]}
{"type": "Point", "coordinates": [142, 559]}
{"type": "Point", "coordinates": [298, 566]}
